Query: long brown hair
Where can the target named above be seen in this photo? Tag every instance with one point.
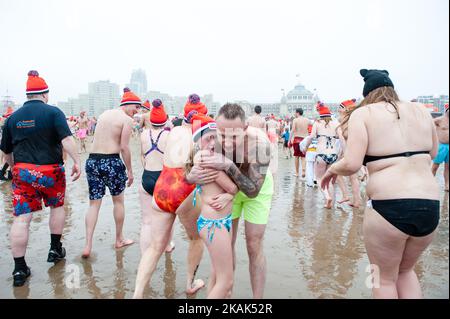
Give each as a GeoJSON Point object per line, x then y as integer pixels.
{"type": "Point", "coordinates": [383, 94]}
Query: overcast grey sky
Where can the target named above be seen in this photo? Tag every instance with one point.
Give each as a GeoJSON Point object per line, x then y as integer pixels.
{"type": "Point", "coordinates": [235, 49]}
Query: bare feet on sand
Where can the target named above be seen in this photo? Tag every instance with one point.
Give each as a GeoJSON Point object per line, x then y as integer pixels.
{"type": "Point", "coordinates": [328, 204]}
{"type": "Point", "coordinates": [170, 247]}
{"type": "Point", "coordinates": [123, 243]}
{"type": "Point", "coordinates": [345, 199]}
{"type": "Point", "coordinates": [196, 286]}
{"type": "Point", "coordinates": [354, 204]}
{"type": "Point", "coordinates": [86, 252]}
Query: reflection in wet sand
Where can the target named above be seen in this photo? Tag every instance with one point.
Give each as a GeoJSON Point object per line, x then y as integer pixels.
{"type": "Point", "coordinates": [311, 252]}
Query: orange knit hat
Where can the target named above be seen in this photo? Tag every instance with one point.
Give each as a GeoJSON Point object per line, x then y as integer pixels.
{"type": "Point", "coordinates": [158, 116]}
{"type": "Point", "coordinates": [201, 124]}
{"type": "Point", "coordinates": [348, 104]}
{"type": "Point", "coordinates": [129, 98]}
{"type": "Point", "coordinates": [323, 110]}
{"type": "Point", "coordinates": [36, 84]}
{"type": "Point", "coordinates": [194, 104]}
{"type": "Point", "coordinates": [146, 105]}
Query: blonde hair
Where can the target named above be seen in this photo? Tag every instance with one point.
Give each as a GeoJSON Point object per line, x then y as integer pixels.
{"type": "Point", "coordinates": [190, 162]}
{"type": "Point", "coordinates": [327, 120]}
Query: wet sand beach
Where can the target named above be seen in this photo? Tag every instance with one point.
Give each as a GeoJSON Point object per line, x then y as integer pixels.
{"type": "Point", "coordinates": [311, 252]}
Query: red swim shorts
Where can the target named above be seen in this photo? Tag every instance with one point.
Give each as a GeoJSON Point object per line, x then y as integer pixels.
{"type": "Point", "coordinates": [31, 183]}
{"type": "Point", "coordinates": [296, 146]}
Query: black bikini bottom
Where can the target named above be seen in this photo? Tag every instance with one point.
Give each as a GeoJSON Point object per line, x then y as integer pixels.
{"type": "Point", "coordinates": [149, 179]}
{"type": "Point", "coordinates": [415, 217]}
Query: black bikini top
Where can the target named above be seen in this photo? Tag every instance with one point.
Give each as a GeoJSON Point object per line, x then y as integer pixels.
{"type": "Point", "coordinates": [371, 158]}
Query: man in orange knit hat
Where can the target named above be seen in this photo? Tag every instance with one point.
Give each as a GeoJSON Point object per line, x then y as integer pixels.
{"type": "Point", "coordinates": [35, 135]}
{"type": "Point", "coordinates": [172, 196]}
{"type": "Point", "coordinates": [105, 168]}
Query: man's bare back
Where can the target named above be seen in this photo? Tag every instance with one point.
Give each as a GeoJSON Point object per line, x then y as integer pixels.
{"type": "Point", "coordinates": [442, 128]}
{"type": "Point", "coordinates": [257, 121]}
{"type": "Point", "coordinates": [300, 127]}
{"type": "Point", "coordinates": [108, 132]}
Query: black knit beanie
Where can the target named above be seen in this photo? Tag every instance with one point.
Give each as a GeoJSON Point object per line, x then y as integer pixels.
{"type": "Point", "coordinates": [375, 79]}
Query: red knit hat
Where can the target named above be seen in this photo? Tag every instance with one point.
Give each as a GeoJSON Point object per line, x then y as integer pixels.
{"type": "Point", "coordinates": [146, 105]}
{"type": "Point", "coordinates": [318, 105]}
{"type": "Point", "coordinates": [158, 116]}
{"type": "Point", "coordinates": [129, 98]}
{"type": "Point", "coordinates": [323, 110]}
{"type": "Point", "coordinates": [36, 84]}
{"type": "Point", "coordinates": [201, 124]}
{"type": "Point", "coordinates": [194, 104]}
{"type": "Point", "coordinates": [348, 104]}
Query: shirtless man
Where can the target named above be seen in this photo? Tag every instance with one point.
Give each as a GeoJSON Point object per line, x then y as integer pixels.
{"type": "Point", "coordinates": [245, 158]}
{"type": "Point", "coordinates": [83, 125]}
{"type": "Point", "coordinates": [442, 156]}
{"type": "Point", "coordinates": [104, 167]}
{"type": "Point", "coordinates": [299, 132]}
{"type": "Point", "coordinates": [256, 120]}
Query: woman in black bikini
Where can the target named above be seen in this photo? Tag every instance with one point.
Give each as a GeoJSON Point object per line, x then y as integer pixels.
{"type": "Point", "coordinates": [153, 144]}
{"type": "Point", "coordinates": [397, 141]}
{"type": "Point", "coordinates": [325, 130]}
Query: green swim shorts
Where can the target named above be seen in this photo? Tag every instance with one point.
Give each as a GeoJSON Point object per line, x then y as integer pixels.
{"type": "Point", "coordinates": [256, 210]}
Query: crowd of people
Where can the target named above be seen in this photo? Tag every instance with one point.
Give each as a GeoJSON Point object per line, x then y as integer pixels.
{"type": "Point", "coordinates": [211, 171]}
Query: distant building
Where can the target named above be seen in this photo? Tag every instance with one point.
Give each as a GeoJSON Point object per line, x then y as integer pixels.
{"type": "Point", "coordinates": [437, 101]}
{"type": "Point", "coordinates": [102, 96]}
{"type": "Point", "coordinates": [6, 103]}
{"type": "Point", "coordinates": [138, 82]}
{"type": "Point", "coordinates": [298, 97]}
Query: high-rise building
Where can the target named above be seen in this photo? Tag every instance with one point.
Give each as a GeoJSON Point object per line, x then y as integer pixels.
{"type": "Point", "coordinates": [102, 95]}
{"type": "Point", "coordinates": [138, 82]}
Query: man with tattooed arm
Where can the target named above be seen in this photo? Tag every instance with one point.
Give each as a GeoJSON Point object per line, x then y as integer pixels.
{"type": "Point", "coordinates": [244, 154]}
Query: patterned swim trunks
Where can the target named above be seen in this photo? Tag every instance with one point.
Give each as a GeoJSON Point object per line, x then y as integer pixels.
{"type": "Point", "coordinates": [105, 170]}
{"type": "Point", "coordinates": [31, 183]}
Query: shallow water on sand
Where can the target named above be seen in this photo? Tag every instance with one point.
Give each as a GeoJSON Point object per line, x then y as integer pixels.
{"type": "Point", "coordinates": [311, 252]}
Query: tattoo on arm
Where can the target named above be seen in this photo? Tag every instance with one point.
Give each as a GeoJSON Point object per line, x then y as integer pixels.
{"type": "Point", "coordinates": [250, 185]}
